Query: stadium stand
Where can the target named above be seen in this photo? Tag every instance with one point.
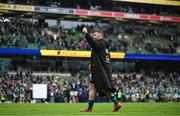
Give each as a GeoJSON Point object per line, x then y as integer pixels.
{"type": "Point", "coordinates": [135, 80]}
{"type": "Point", "coordinates": [104, 5]}
{"type": "Point", "coordinates": [129, 38]}
{"type": "Point", "coordinates": [132, 87]}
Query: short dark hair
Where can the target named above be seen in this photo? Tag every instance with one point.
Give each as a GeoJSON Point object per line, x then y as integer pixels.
{"type": "Point", "coordinates": [98, 30]}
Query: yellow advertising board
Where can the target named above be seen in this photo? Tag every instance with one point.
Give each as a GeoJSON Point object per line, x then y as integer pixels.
{"type": "Point", "coordinates": [163, 2]}
{"type": "Point", "coordinates": [23, 8]}
{"type": "Point", "coordinates": [16, 7]}
{"type": "Point", "coordinates": [117, 55]}
{"type": "Point", "coordinates": [77, 54]}
{"type": "Point", "coordinates": [6, 6]}
{"type": "Point", "coordinates": [65, 53]}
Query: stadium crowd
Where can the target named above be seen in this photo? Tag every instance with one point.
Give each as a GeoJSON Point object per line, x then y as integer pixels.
{"type": "Point", "coordinates": [152, 86]}
{"type": "Point", "coordinates": [104, 5]}
{"type": "Point", "coordinates": [145, 86]}
{"type": "Point", "coordinates": [132, 38]}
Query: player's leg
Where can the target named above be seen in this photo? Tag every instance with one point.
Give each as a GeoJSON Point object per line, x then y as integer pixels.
{"type": "Point", "coordinates": [92, 96]}
{"type": "Point", "coordinates": [113, 98]}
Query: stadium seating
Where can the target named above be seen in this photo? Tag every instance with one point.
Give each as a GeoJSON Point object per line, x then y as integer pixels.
{"type": "Point", "coordinates": [106, 5]}
{"type": "Point", "coordinates": [131, 38]}
{"type": "Point", "coordinates": [133, 87]}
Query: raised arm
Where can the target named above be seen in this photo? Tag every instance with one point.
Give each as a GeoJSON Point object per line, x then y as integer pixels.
{"type": "Point", "coordinates": [94, 44]}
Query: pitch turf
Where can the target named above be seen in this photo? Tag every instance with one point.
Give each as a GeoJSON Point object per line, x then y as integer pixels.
{"type": "Point", "coordinates": [100, 109]}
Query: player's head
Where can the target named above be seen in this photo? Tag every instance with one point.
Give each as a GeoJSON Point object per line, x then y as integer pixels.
{"type": "Point", "coordinates": [97, 34]}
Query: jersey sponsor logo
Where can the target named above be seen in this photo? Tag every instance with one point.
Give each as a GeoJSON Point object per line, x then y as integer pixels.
{"type": "Point", "coordinates": [107, 59]}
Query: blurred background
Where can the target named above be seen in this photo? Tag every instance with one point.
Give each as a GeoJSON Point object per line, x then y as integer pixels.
{"type": "Point", "coordinates": [39, 41]}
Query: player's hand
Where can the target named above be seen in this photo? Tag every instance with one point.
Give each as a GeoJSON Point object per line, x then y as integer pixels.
{"type": "Point", "coordinates": [89, 67]}
{"type": "Point", "coordinates": [84, 30]}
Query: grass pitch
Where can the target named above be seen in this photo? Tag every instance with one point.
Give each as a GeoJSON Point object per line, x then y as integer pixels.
{"type": "Point", "coordinates": [100, 109]}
